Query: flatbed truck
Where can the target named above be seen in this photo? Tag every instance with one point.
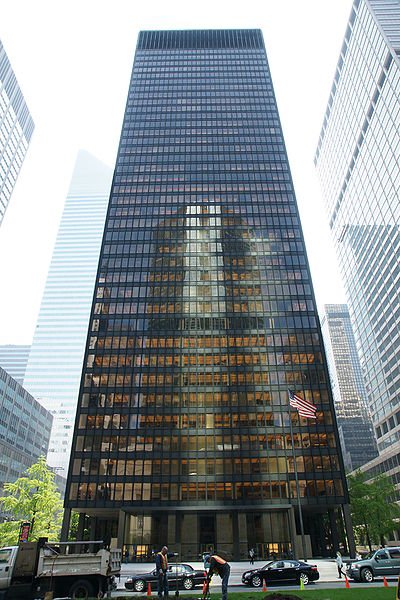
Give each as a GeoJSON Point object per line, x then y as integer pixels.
{"type": "Point", "coordinates": [36, 570]}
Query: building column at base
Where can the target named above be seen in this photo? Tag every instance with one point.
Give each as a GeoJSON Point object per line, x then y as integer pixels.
{"type": "Point", "coordinates": [121, 529]}
{"type": "Point", "coordinates": [65, 525]}
{"type": "Point", "coordinates": [349, 530]}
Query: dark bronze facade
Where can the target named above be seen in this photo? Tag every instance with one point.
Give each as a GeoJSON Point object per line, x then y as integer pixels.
{"type": "Point", "coordinates": [203, 317]}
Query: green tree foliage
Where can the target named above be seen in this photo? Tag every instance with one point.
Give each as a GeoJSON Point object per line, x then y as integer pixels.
{"type": "Point", "coordinates": [33, 498]}
{"type": "Point", "coordinates": [373, 508]}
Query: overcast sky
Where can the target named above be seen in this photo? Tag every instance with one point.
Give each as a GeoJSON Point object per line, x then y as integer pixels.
{"type": "Point", "coordinates": [73, 61]}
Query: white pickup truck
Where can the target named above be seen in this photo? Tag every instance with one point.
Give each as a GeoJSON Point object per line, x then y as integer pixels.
{"type": "Point", "coordinates": [41, 570]}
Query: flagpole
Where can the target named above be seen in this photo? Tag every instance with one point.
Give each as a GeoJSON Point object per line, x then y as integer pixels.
{"type": "Point", "coordinates": [303, 540]}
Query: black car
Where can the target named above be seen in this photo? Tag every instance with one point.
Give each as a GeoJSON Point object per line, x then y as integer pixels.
{"type": "Point", "coordinates": [281, 571]}
{"type": "Point", "coordinates": [185, 575]}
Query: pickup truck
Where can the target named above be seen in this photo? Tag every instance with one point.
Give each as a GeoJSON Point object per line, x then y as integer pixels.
{"type": "Point", "coordinates": [36, 570]}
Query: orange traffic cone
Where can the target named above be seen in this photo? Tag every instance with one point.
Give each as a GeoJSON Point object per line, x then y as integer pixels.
{"type": "Point", "coordinates": [385, 583]}
{"type": "Point", "coordinates": [347, 582]}
{"type": "Point", "coordinates": [149, 589]}
{"type": "Point", "coordinates": [264, 586]}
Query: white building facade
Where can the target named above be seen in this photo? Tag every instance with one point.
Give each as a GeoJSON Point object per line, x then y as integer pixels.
{"type": "Point", "coordinates": [16, 129]}
{"type": "Point", "coordinates": [55, 361]}
{"type": "Point", "coordinates": [349, 392]}
{"type": "Point", "coordinates": [357, 159]}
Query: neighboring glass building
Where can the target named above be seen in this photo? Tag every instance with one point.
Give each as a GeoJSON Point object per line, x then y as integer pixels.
{"type": "Point", "coordinates": [16, 128]}
{"type": "Point", "coordinates": [13, 359]}
{"type": "Point", "coordinates": [25, 428]}
{"type": "Point", "coordinates": [55, 360]}
{"type": "Point", "coordinates": [349, 394]}
{"type": "Point", "coordinates": [203, 317]}
{"type": "Point", "coordinates": [358, 159]}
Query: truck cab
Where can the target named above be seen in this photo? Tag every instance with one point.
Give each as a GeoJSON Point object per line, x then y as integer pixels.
{"type": "Point", "coordinates": [7, 560]}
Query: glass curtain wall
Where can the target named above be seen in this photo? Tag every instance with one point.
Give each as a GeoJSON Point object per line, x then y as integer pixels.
{"type": "Point", "coordinates": [203, 317]}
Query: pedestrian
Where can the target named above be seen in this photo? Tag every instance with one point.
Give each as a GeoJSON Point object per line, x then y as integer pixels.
{"type": "Point", "coordinates": [126, 556]}
{"type": "Point", "coordinates": [218, 565]}
{"type": "Point", "coordinates": [251, 555]}
{"type": "Point", "coordinates": [162, 568]}
{"type": "Point", "coordinates": [339, 564]}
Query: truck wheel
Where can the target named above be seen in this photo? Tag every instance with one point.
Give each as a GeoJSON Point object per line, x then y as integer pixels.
{"type": "Point", "coordinates": [367, 575]}
{"type": "Point", "coordinates": [81, 589]}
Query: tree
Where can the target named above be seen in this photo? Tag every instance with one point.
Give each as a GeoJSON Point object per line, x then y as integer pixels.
{"type": "Point", "coordinates": [33, 498]}
{"type": "Point", "coordinates": [373, 508]}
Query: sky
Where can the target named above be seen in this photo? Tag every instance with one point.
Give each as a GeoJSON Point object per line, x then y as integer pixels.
{"type": "Point", "coordinates": [73, 61]}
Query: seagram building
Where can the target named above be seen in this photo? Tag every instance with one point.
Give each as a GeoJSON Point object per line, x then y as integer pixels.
{"type": "Point", "coordinates": [203, 317]}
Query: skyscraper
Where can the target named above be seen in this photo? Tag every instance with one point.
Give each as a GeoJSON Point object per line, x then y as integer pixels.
{"type": "Point", "coordinates": [349, 393]}
{"type": "Point", "coordinates": [16, 128]}
{"type": "Point", "coordinates": [203, 317]}
{"type": "Point", "coordinates": [357, 160]}
{"type": "Point", "coordinates": [25, 428]}
{"type": "Point", "coordinates": [13, 359]}
{"type": "Point", "coordinates": [55, 359]}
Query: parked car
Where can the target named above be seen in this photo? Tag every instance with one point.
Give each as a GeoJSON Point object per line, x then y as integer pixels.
{"type": "Point", "coordinates": [184, 574]}
{"type": "Point", "coordinates": [382, 562]}
{"type": "Point", "coordinates": [280, 571]}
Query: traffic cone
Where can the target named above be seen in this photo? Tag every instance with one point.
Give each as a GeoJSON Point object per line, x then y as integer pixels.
{"type": "Point", "coordinates": [347, 582]}
{"type": "Point", "coordinates": [264, 586]}
{"type": "Point", "coordinates": [301, 584]}
{"type": "Point", "coordinates": [385, 583]}
{"type": "Point", "coordinates": [149, 589]}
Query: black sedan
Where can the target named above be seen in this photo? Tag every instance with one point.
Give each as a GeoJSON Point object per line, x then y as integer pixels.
{"type": "Point", "coordinates": [183, 574]}
{"type": "Point", "coordinates": [281, 571]}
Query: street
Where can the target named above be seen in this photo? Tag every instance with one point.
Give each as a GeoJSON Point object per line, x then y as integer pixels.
{"type": "Point", "coordinates": [326, 567]}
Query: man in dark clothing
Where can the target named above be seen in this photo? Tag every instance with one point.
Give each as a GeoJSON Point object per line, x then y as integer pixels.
{"type": "Point", "coordinates": [162, 568]}
{"type": "Point", "coordinates": [216, 564]}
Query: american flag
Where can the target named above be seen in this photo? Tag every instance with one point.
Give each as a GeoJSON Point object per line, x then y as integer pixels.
{"type": "Point", "coordinates": [304, 408]}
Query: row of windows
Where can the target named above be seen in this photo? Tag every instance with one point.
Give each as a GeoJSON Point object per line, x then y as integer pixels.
{"type": "Point", "coordinates": [201, 466]}
{"type": "Point", "coordinates": [175, 205]}
{"type": "Point", "coordinates": [129, 492]}
{"type": "Point", "coordinates": [209, 420]}
{"type": "Point", "coordinates": [185, 442]}
{"type": "Point", "coordinates": [148, 357]}
{"type": "Point", "coordinates": [206, 378]}
{"type": "Point", "coordinates": [261, 340]}
{"type": "Point", "coordinates": [198, 399]}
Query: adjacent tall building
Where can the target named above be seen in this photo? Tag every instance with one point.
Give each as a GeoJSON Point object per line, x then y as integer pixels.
{"type": "Point", "coordinates": [25, 428]}
{"type": "Point", "coordinates": [358, 162]}
{"type": "Point", "coordinates": [13, 359]}
{"type": "Point", "coordinates": [55, 359]}
{"type": "Point", "coordinates": [203, 317]}
{"type": "Point", "coordinates": [349, 393]}
{"type": "Point", "coordinates": [16, 128]}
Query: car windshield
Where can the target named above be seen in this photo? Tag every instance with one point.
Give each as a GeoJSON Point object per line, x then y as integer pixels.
{"type": "Point", "coordinates": [267, 565]}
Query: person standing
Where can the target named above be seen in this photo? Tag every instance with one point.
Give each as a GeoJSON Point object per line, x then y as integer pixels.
{"type": "Point", "coordinates": [339, 564]}
{"type": "Point", "coordinates": [162, 568]}
{"type": "Point", "coordinates": [218, 565]}
{"type": "Point", "coordinates": [251, 556]}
